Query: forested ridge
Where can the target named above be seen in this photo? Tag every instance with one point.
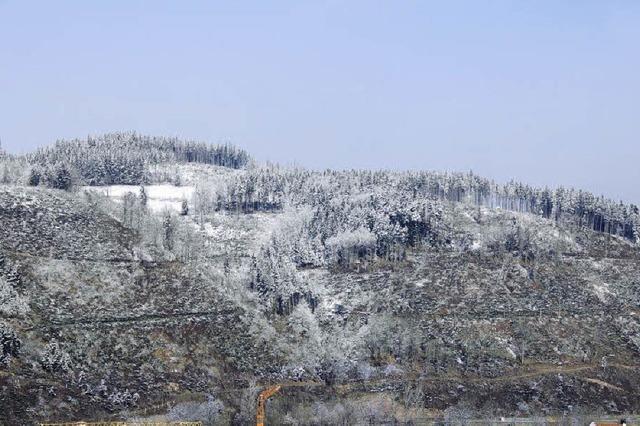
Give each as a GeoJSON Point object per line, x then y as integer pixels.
{"type": "Point", "coordinates": [121, 159]}
{"type": "Point", "coordinates": [269, 188]}
{"type": "Point", "coordinates": [414, 286]}
{"type": "Point", "coordinates": [408, 199]}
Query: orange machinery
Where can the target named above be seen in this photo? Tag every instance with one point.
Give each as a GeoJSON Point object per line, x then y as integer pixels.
{"type": "Point", "coordinates": [262, 399]}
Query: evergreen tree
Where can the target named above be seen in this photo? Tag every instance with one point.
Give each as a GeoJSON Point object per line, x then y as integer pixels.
{"type": "Point", "coordinates": [168, 228]}
{"type": "Point", "coordinates": [35, 176]}
{"type": "Point", "coordinates": [143, 197]}
{"type": "Point", "coordinates": [59, 177]}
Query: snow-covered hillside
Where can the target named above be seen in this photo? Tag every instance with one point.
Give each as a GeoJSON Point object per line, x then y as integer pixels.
{"type": "Point", "coordinates": [392, 296]}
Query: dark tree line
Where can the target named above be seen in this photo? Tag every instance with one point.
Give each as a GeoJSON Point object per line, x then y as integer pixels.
{"type": "Point", "coordinates": [270, 189]}
{"type": "Point", "coordinates": [562, 204]}
{"type": "Point", "coordinates": [258, 190]}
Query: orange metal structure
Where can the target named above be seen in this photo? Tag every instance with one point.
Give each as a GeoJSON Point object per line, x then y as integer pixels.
{"type": "Point", "coordinates": [262, 399]}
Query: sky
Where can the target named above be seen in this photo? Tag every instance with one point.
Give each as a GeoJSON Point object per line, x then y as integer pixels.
{"type": "Point", "coordinates": [544, 92]}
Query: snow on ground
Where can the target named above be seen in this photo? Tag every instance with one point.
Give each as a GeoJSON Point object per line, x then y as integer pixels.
{"type": "Point", "coordinates": [422, 283]}
{"type": "Point", "coordinates": [159, 197]}
{"type": "Point", "coordinates": [476, 245]}
{"type": "Point", "coordinates": [602, 291]}
{"type": "Point", "coordinates": [250, 229]}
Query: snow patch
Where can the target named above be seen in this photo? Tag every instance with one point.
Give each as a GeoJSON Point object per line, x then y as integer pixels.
{"type": "Point", "coordinates": [159, 197]}
{"type": "Point", "coordinates": [602, 291]}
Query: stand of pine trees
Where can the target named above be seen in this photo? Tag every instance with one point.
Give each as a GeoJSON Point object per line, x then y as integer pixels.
{"type": "Point", "coordinates": [333, 193]}
{"type": "Point", "coordinates": [121, 158]}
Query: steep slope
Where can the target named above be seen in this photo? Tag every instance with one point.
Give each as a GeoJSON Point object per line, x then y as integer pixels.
{"type": "Point", "coordinates": [103, 330]}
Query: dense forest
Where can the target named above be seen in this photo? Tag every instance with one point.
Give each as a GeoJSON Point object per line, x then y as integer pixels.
{"type": "Point", "coordinates": [269, 188]}
{"type": "Point", "coordinates": [120, 159]}
{"type": "Point", "coordinates": [351, 219]}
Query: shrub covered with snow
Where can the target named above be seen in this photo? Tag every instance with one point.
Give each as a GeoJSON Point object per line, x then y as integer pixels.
{"type": "Point", "coordinates": [208, 412]}
{"type": "Point", "coordinates": [54, 358]}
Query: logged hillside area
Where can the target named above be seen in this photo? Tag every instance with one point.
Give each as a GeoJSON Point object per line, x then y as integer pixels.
{"type": "Point", "coordinates": [373, 296]}
{"type": "Point", "coordinates": [89, 328]}
{"type": "Point", "coordinates": [54, 224]}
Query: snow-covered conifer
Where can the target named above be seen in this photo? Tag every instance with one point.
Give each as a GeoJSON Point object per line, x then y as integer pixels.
{"type": "Point", "coordinates": [54, 358]}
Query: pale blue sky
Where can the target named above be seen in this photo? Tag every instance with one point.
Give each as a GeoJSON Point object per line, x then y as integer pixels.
{"type": "Point", "coordinates": [547, 92]}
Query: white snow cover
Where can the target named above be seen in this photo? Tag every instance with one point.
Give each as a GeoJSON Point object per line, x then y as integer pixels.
{"type": "Point", "coordinates": [159, 197]}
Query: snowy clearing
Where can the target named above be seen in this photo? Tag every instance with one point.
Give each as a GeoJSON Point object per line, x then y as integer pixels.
{"type": "Point", "coordinates": [159, 197]}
